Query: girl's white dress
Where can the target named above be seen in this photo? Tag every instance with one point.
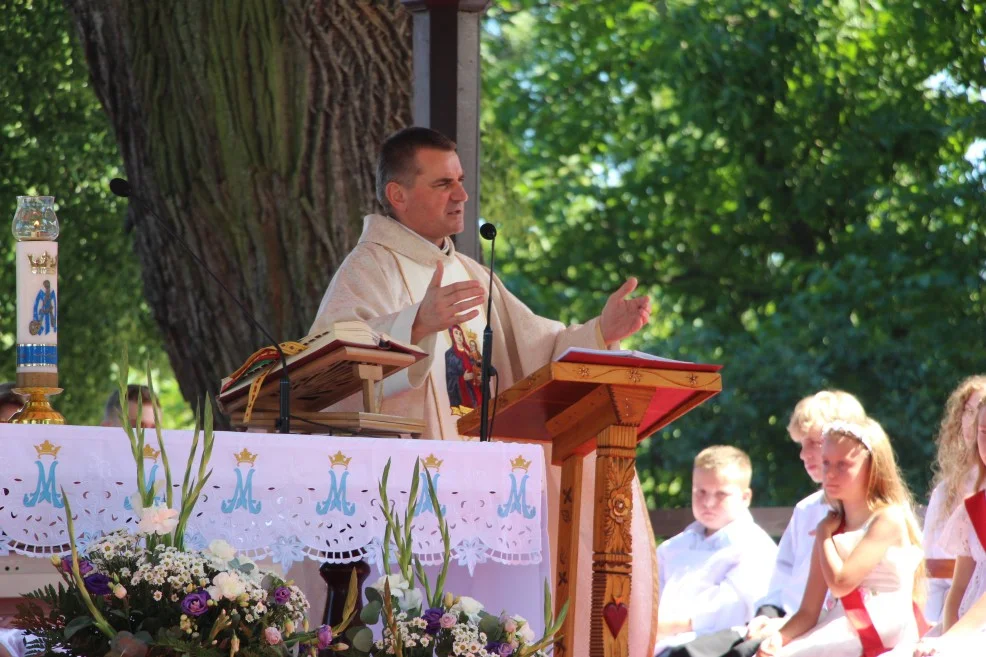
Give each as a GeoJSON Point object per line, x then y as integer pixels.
{"type": "Point", "coordinates": [959, 538]}
{"type": "Point", "coordinates": [888, 591]}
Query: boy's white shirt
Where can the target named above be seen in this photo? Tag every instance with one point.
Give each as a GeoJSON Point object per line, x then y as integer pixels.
{"type": "Point", "coordinates": [713, 580]}
{"type": "Point", "coordinates": [790, 570]}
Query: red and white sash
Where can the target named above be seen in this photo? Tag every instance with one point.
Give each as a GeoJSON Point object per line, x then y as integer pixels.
{"type": "Point", "coordinates": [860, 619]}
{"type": "Point", "coordinates": [975, 506]}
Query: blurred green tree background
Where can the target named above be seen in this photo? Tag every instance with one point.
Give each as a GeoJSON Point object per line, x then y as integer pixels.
{"type": "Point", "coordinates": [799, 185]}
{"type": "Point", "coordinates": [56, 141]}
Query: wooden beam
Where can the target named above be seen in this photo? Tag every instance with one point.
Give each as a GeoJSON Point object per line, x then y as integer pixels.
{"type": "Point", "coordinates": [446, 88]}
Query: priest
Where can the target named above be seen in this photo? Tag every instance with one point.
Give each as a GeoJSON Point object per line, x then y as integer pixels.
{"type": "Point", "coordinates": [405, 278]}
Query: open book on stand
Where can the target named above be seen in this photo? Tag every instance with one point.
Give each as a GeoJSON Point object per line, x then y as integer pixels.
{"type": "Point", "coordinates": [324, 367]}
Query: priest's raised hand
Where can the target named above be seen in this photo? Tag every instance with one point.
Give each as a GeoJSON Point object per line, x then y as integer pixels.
{"type": "Point", "coordinates": [622, 317]}
{"type": "Point", "coordinates": [445, 306]}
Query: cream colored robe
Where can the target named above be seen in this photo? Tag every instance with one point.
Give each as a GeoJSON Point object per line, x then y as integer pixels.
{"type": "Point", "coordinates": [381, 282]}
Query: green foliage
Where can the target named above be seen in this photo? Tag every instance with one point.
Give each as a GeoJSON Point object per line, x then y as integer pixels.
{"type": "Point", "coordinates": [55, 140]}
{"type": "Point", "coordinates": [787, 178]}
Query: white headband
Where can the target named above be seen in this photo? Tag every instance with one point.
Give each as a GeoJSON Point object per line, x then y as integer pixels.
{"type": "Point", "coordinates": [850, 429]}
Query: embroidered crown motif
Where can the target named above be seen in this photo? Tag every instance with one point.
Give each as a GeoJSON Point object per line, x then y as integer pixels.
{"type": "Point", "coordinates": [520, 463]}
{"type": "Point", "coordinates": [432, 462]}
{"type": "Point", "coordinates": [245, 456]}
{"type": "Point", "coordinates": [340, 459]}
{"type": "Point", "coordinates": [47, 449]}
{"type": "Point", "coordinates": [151, 453]}
{"type": "Point", "coordinates": [43, 264]}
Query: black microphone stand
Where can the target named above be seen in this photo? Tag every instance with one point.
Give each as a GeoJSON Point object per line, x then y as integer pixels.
{"type": "Point", "coordinates": [121, 188]}
{"type": "Point", "coordinates": [488, 231]}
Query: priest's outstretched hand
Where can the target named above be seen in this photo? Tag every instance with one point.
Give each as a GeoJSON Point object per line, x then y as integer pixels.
{"type": "Point", "coordinates": [622, 317]}
{"type": "Point", "coordinates": [445, 306]}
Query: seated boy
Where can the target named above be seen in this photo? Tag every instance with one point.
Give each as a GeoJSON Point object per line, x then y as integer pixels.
{"type": "Point", "coordinates": [712, 574]}
{"type": "Point", "coordinates": [790, 571]}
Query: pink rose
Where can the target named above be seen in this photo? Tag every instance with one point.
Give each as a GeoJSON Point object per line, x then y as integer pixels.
{"type": "Point", "coordinates": [272, 635]}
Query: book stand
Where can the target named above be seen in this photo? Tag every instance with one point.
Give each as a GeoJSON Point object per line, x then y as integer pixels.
{"type": "Point", "coordinates": [323, 381]}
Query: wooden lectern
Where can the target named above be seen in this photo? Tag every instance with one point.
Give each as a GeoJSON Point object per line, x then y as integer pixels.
{"type": "Point", "coordinates": [323, 380]}
{"type": "Point", "coordinates": [605, 402]}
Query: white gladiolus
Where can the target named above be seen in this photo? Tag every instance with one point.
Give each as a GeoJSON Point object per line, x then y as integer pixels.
{"type": "Point", "coordinates": [226, 585]}
{"type": "Point", "coordinates": [524, 630]}
{"type": "Point", "coordinates": [398, 585]}
{"type": "Point", "coordinates": [411, 599]}
{"type": "Point", "coordinates": [157, 519]}
{"type": "Point", "coordinates": [222, 550]}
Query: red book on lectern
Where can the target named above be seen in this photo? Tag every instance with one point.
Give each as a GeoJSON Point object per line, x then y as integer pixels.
{"type": "Point", "coordinates": [550, 399]}
{"type": "Point", "coordinates": [666, 400]}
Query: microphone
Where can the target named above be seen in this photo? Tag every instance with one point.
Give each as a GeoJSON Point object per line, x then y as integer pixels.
{"type": "Point", "coordinates": [488, 231]}
{"type": "Point", "coordinates": [121, 188]}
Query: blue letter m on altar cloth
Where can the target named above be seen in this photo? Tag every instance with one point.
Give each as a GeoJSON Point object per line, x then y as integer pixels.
{"type": "Point", "coordinates": [148, 487]}
{"type": "Point", "coordinates": [518, 500]}
{"type": "Point", "coordinates": [424, 496]}
{"type": "Point", "coordinates": [242, 496]}
{"type": "Point", "coordinates": [47, 490]}
{"type": "Point", "coordinates": [336, 499]}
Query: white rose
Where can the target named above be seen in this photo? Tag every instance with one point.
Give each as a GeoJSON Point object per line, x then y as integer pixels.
{"type": "Point", "coordinates": [157, 519]}
{"type": "Point", "coordinates": [412, 599]}
{"type": "Point", "coordinates": [222, 550]}
{"type": "Point", "coordinates": [469, 606]}
{"type": "Point", "coordinates": [398, 585]}
{"type": "Point", "coordinates": [226, 585]}
{"type": "Point", "coordinates": [524, 630]}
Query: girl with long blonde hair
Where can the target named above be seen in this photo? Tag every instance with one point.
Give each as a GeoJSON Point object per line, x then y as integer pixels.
{"type": "Point", "coordinates": [953, 481]}
{"type": "Point", "coordinates": [965, 536]}
{"type": "Point", "coordinates": [867, 566]}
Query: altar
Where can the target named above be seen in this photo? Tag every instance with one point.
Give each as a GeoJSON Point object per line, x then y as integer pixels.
{"type": "Point", "coordinates": [289, 499]}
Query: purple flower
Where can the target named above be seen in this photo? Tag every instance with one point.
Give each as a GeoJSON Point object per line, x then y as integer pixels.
{"type": "Point", "coordinates": [195, 603]}
{"type": "Point", "coordinates": [85, 566]}
{"type": "Point", "coordinates": [97, 584]}
{"type": "Point", "coordinates": [433, 618]}
{"type": "Point", "coordinates": [282, 595]}
{"type": "Point", "coordinates": [502, 649]}
{"type": "Point", "coordinates": [324, 634]}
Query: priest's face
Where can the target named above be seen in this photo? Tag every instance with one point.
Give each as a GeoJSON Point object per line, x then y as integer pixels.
{"type": "Point", "coordinates": [434, 205]}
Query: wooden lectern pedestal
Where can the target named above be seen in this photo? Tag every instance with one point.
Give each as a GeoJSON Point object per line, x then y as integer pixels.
{"type": "Point", "coordinates": [608, 405]}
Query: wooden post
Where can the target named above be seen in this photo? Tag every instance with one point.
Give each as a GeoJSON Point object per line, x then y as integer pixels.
{"type": "Point", "coordinates": [446, 88]}
{"type": "Point", "coordinates": [370, 375]}
{"type": "Point", "coordinates": [569, 522]}
{"type": "Point", "coordinates": [612, 541]}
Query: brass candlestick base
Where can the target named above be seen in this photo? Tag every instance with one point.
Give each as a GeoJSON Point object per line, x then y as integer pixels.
{"type": "Point", "coordinates": [37, 409]}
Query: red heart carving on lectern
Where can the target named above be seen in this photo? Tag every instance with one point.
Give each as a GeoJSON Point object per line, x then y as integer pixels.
{"type": "Point", "coordinates": [615, 615]}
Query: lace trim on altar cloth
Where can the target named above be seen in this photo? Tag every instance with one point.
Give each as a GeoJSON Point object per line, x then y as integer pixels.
{"type": "Point", "coordinates": [286, 498]}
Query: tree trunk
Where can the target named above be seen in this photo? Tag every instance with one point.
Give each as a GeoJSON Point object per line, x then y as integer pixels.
{"type": "Point", "coordinates": [251, 127]}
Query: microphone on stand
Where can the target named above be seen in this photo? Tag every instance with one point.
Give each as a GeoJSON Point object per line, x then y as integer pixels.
{"type": "Point", "coordinates": [121, 188]}
{"type": "Point", "coordinates": [488, 231]}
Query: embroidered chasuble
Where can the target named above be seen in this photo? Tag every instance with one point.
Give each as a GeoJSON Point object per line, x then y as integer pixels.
{"type": "Point", "coordinates": [382, 282]}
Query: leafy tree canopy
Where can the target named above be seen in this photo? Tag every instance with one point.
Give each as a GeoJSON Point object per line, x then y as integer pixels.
{"type": "Point", "coordinates": [788, 178]}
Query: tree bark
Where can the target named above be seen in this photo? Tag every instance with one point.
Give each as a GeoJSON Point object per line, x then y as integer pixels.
{"type": "Point", "coordinates": [251, 127]}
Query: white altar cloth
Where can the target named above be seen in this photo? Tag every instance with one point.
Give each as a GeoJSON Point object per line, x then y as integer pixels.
{"type": "Point", "coordinates": [288, 498]}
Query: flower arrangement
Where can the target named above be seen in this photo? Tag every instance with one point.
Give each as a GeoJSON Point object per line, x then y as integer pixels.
{"type": "Point", "coordinates": [429, 621]}
{"type": "Point", "coordinates": [145, 595]}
